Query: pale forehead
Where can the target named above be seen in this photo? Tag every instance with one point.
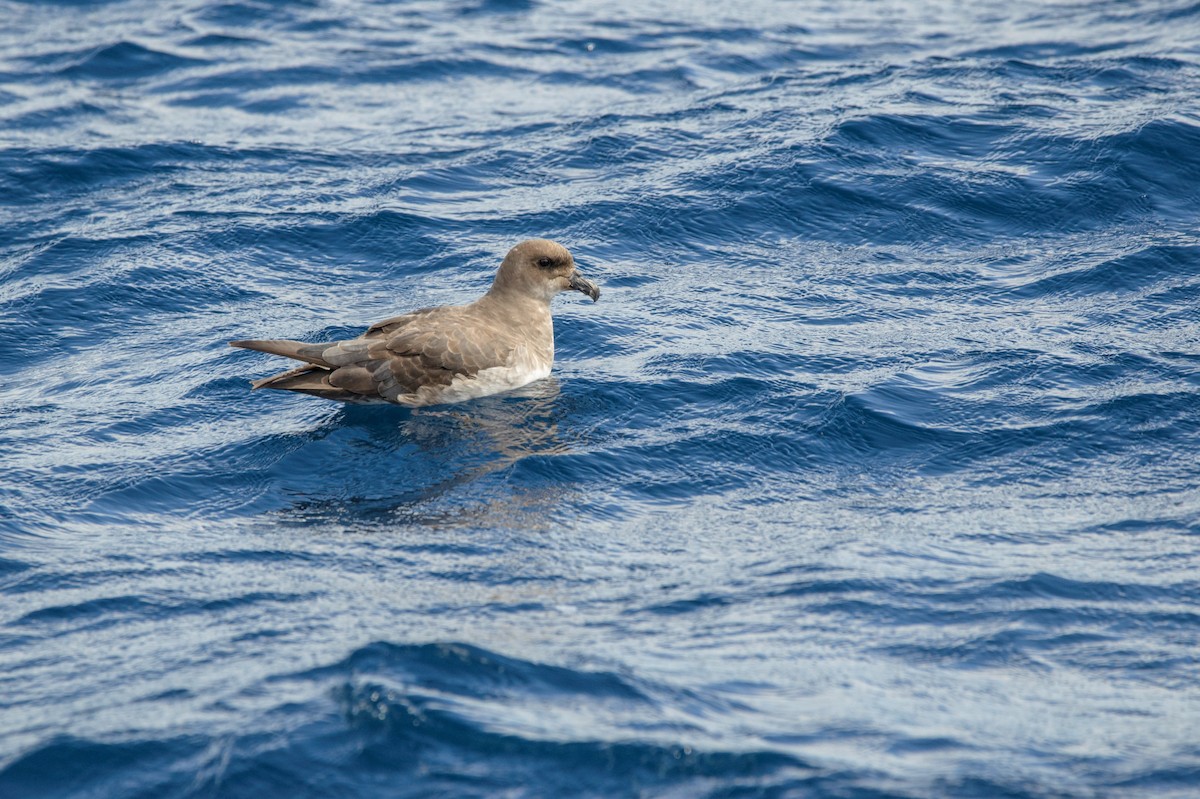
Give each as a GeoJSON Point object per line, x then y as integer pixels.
{"type": "Point", "coordinates": [539, 247]}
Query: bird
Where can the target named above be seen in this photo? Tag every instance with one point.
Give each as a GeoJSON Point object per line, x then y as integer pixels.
{"type": "Point", "coordinates": [448, 354]}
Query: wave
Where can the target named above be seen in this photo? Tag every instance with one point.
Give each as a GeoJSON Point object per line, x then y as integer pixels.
{"type": "Point", "coordinates": [417, 720]}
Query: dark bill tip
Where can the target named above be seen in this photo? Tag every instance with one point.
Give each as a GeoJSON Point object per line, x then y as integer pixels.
{"type": "Point", "coordinates": [581, 283]}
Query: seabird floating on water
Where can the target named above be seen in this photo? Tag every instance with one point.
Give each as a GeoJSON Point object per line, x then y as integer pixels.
{"type": "Point", "coordinates": [503, 340]}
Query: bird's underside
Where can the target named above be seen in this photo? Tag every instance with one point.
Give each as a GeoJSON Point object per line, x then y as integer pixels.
{"type": "Point", "coordinates": [421, 358]}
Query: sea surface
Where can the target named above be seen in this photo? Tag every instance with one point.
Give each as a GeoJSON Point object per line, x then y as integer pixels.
{"type": "Point", "coordinates": [875, 472]}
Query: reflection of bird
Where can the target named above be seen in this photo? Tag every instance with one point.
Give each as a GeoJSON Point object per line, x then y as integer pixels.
{"type": "Point", "coordinates": [454, 465]}
{"type": "Point", "coordinates": [501, 341]}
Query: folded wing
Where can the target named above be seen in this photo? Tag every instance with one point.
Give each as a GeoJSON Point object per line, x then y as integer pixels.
{"type": "Point", "coordinates": [395, 360]}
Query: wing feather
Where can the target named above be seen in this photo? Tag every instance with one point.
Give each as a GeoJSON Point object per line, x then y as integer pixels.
{"type": "Point", "coordinates": [394, 359]}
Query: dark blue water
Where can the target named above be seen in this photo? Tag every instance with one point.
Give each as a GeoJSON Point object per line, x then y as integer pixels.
{"type": "Point", "coordinates": [873, 473]}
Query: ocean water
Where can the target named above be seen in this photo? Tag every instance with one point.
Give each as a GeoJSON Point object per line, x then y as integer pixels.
{"type": "Point", "coordinates": [872, 474]}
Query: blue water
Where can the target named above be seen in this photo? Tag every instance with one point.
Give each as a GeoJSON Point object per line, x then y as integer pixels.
{"type": "Point", "coordinates": [873, 473]}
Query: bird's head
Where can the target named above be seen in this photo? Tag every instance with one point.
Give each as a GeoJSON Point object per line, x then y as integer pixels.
{"type": "Point", "coordinates": [542, 268]}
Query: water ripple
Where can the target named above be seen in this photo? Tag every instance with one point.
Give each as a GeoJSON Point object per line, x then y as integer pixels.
{"type": "Point", "coordinates": [871, 474]}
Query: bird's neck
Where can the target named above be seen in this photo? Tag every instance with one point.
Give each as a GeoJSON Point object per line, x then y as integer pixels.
{"type": "Point", "coordinates": [506, 302]}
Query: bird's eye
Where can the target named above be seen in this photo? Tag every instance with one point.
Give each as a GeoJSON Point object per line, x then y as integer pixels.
{"type": "Point", "coordinates": [545, 263]}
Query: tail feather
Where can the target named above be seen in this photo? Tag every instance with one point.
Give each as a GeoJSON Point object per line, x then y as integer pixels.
{"type": "Point", "coordinates": [308, 380]}
{"type": "Point", "coordinates": [311, 376]}
{"type": "Point", "coordinates": [298, 350]}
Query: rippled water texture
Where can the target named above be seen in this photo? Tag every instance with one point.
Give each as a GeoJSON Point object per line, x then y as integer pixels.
{"type": "Point", "coordinates": [873, 473]}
